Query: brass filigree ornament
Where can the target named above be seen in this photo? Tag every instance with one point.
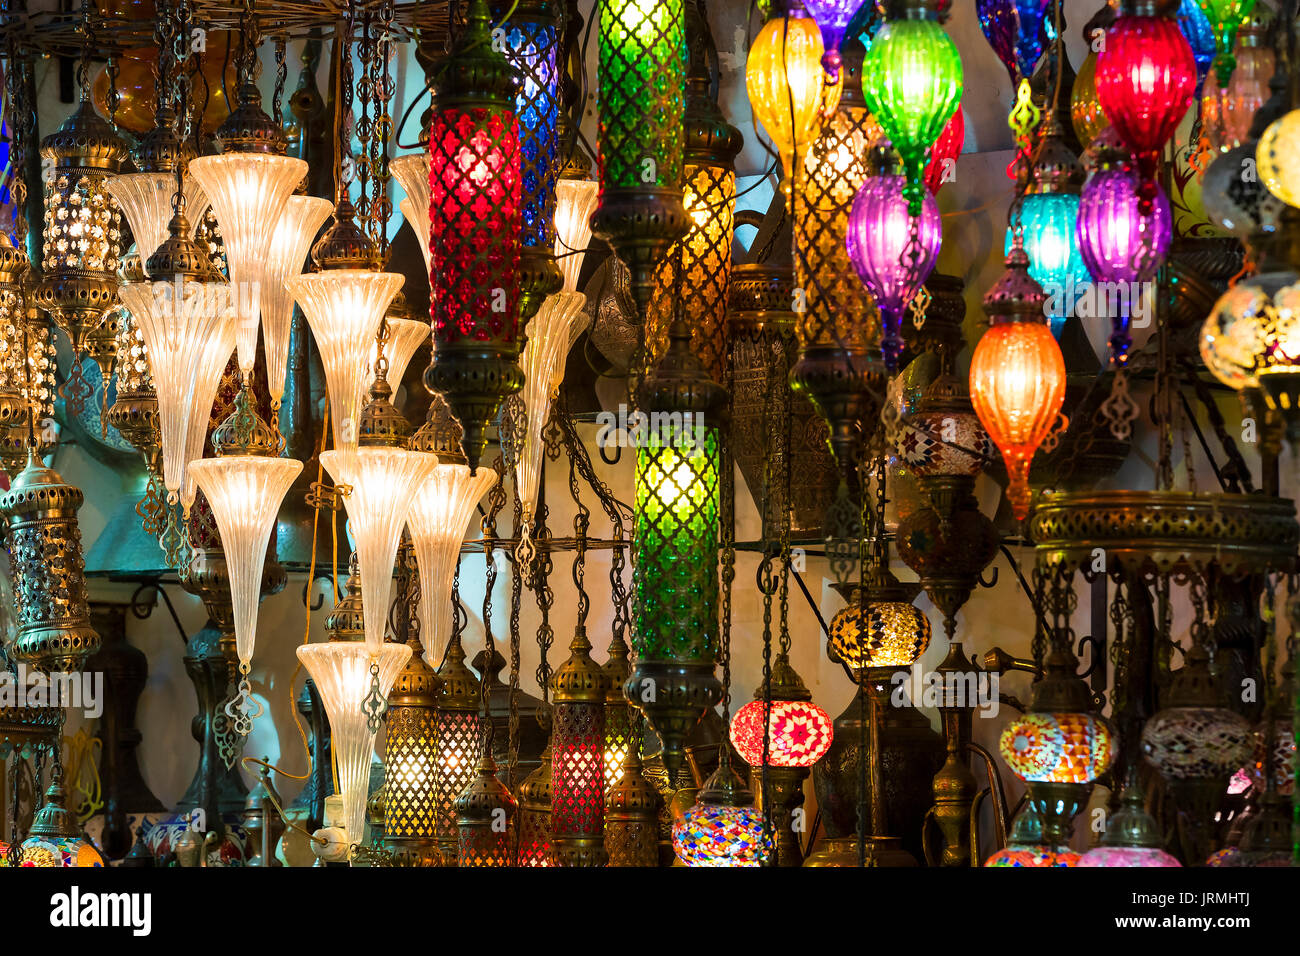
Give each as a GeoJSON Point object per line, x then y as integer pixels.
{"type": "Point", "coordinates": [632, 817]}
{"type": "Point", "coordinates": [44, 543]}
{"type": "Point", "coordinates": [484, 812]}
{"type": "Point", "coordinates": [458, 743]}
{"type": "Point", "coordinates": [14, 370]}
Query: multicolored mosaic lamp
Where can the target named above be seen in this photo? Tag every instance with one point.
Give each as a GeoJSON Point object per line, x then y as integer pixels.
{"type": "Point", "coordinates": [476, 221]}
{"type": "Point", "coordinates": [642, 75]}
{"type": "Point", "coordinates": [723, 828]}
{"type": "Point", "coordinates": [1027, 846]}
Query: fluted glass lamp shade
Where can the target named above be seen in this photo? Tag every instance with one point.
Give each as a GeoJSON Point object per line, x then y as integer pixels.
{"type": "Point", "coordinates": [213, 357]}
{"type": "Point", "coordinates": [244, 492]}
{"type": "Point", "coordinates": [341, 673]}
{"type": "Point", "coordinates": [788, 91]}
{"type": "Point", "coordinates": [146, 201]}
{"type": "Point", "coordinates": [177, 331]}
{"type": "Point", "coordinates": [285, 254]}
{"type": "Point", "coordinates": [383, 483]}
{"type": "Point", "coordinates": [551, 333]}
{"type": "Point", "coordinates": [412, 173]}
{"type": "Point", "coordinates": [343, 308]}
{"type": "Point", "coordinates": [575, 200]}
{"type": "Point", "coordinates": [437, 521]}
{"type": "Point", "coordinates": [405, 336]}
{"type": "Point", "coordinates": [248, 192]}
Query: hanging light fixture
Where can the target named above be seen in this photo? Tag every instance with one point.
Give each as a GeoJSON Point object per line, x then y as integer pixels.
{"type": "Point", "coordinates": [484, 812]}
{"type": "Point", "coordinates": [1017, 374]}
{"type": "Point", "coordinates": [1027, 846]}
{"type": "Point", "coordinates": [642, 76]}
{"type": "Point", "coordinates": [1086, 115]}
{"type": "Point", "coordinates": [1048, 214]}
{"type": "Point", "coordinates": [789, 93]}
{"type": "Point", "coordinates": [1146, 78]}
{"type": "Point", "coordinates": [458, 743]}
{"type": "Point", "coordinates": [1227, 111]}
{"type": "Point", "coordinates": [382, 483]}
{"type": "Point", "coordinates": [578, 759]}
{"type": "Point", "coordinates": [1279, 161]}
{"type": "Point", "coordinates": [402, 339]}
{"type": "Point", "coordinates": [912, 82]}
{"type": "Point", "coordinates": [14, 370]}
{"type": "Point", "coordinates": [632, 816]}
{"type": "Point", "coordinates": [534, 828]}
{"type": "Point", "coordinates": [575, 201]}
{"type": "Point", "coordinates": [1132, 838]}
{"type": "Point", "coordinates": [893, 249]}
{"type": "Point", "coordinates": [476, 223]}
{"type": "Point", "coordinates": [723, 828]}
{"type": "Point", "coordinates": [1014, 29]}
{"type": "Point", "coordinates": [55, 839]}
{"type": "Point", "coordinates": [286, 251]}
{"type": "Point", "coordinates": [943, 154]}
{"type": "Point", "coordinates": [1225, 18]}
{"type": "Point", "coordinates": [1200, 36]}
{"type": "Point", "coordinates": [833, 17]}
{"type": "Point", "coordinates": [412, 174]}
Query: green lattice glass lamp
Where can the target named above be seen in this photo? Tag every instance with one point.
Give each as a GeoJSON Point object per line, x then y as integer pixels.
{"type": "Point", "coordinates": [912, 82]}
{"type": "Point", "coordinates": [675, 577]}
{"type": "Point", "coordinates": [642, 74]}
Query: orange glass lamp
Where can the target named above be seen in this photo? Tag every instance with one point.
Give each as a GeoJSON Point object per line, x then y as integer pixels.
{"type": "Point", "coordinates": [1017, 374]}
{"type": "Point", "coordinates": [789, 91]}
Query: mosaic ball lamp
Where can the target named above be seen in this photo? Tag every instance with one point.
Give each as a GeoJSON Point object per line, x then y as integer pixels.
{"type": "Point", "coordinates": [1025, 846]}
{"type": "Point", "coordinates": [882, 634]}
{"type": "Point", "coordinates": [55, 840]}
{"type": "Point", "coordinates": [723, 828]}
{"type": "Point", "coordinates": [1278, 156]}
{"type": "Point", "coordinates": [1190, 743]}
{"type": "Point", "coordinates": [1057, 748]}
{"type": "Point", "coordinates": [799, 733]}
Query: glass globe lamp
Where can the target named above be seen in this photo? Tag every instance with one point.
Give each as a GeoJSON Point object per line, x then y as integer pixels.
{"type": "Point", "coordinates": [799, 733]}
{"type": "Point", "coordinates": [723, 828]}
{"type": "Point", "coordinates": [1227, 111]}
{"type": "Point", "coordinates": [1057, 748]}
{"type": "Point", "coordinates": [1278, 155]}
{"type": "Point", "coordinates": [892, 634]}
{"type": "Point", "coordinates": [1026, 846]}
{"type": "Point", "coordinates": [54, 839]}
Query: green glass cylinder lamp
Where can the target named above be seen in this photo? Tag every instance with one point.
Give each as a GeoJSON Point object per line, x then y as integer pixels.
{"type": "Point", "coordinates": [475, 216]}
{"type": "Point", "coordinates": [642, 76]}
{"type": "Point", "coordinates": [578, 759]}
{"type": "Point", "coordinates": [675, 560]}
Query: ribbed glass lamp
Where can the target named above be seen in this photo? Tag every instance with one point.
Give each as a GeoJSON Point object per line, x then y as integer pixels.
{"type": "Point", "coordinates": [1227, 111]}
{"type": "Point", "coordinates": [146, 201]}
{"type": "Point", "coordinates": [551, 333]}
{"type": "Point", "coordinates": [245, 492]}
{"type": "Point", "coordinates": [213, 357]}
{"type": "Point", "coordinates": [248, 192]}
{"type": "Point", "coordinates": [412, 174]}
{"type": "Point", "coordinates": [343, 308]}
{"type": "Point", "coordinates": [286, 252]}
{"type": "Point", "coordinates": [405, 336]}
{"type": "Point", "coordinates": [438, 519]}
{"type": "Point", "coordinates": [341, 671]}
{"type": "Point", "coordinates": [575, 200]}
{"type": "Point", "coordinates": [383, 482]}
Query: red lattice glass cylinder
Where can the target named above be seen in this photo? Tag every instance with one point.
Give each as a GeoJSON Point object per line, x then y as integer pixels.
{"type": "Point", "coordinates": [578, 783]}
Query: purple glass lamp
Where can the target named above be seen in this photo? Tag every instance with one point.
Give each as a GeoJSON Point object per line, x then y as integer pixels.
{"type": "Point", "coordinates": [893, 252]}
{"type": "Point", "coordinates": [833, 17]}
{"type": "Point", "coordinates": [1122, 248]}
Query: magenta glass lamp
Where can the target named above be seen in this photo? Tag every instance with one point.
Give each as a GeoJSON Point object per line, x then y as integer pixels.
{"type": "Point", "coordinates": [1121, 247]}
{"type": "Point", "coordinates": [879, 233]}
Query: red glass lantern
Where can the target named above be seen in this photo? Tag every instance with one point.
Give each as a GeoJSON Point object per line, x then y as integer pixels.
{"type": "Point", "coordinates": [800, 733]}
{"type": "Point", "coordinates": [578, 759]}
{"type": "Point", "coordinates": [1146, 78]}
{"type": "Point", "coordinates": [943, 154]}
{"type": "Point", "coordinates": [1017, 374]}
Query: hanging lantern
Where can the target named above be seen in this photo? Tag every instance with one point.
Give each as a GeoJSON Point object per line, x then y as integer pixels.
{"type": "Point", "coordinates": [1227, 111]}
{"type": "Point", "coordinates": [1200, 36]}
{"type": "Point", "coordinates": [618, 714]}
{"type": "Point", "coordinates": [82, 234]}
{"type": "Point", "coordinates": [1225, 17]}
{"type": "Point", "coordinates": [347, 675]}
{"type": "Point", "coordinates": [531, 46]}
{"type": "Point", "coordinates": [789, 93]}
{"type": "Point", "coordinates": [1048, 216]}
{"type": "Point", "coordinates": [1132, 838]}
{"type": "Point", "coordinates": [942, 166]}
{"type": "Point", "coordinates": [480, 811]}
{"type": "Point", "coordinates": [878, 633]}
{"type": "Point", "coordinates": [1121, 246]}
{"type": "Point", "coordinates": [943, 410]}
{"type": "Point", "coordinates": [723, 828]}
{"type": "Point", "coordinates": [575, 200]}
{"type": "Point", "coordinates": [833, 17]}
{"type": "Point", "coordinates": [675, 565]}
{"type": "Point", "coordinates": [578, 759]}
{"type": "Point", "coordinates": [632, 817]}
{"type": "Point", "coordinates": [1086, 114]}
{"type": "Point", "coordinates": [799, 733]}
{"type": "Point", "coordinates": [912, 82]}
{"type": "Point", "coordinates": [1146, 77]}
{"type": "Point", "coordinates": [410, 750]}
{"type": "Point", "coordinates": [1278, 155]}
{"type": "Point", "coordinates": [1026, 845]}
{"type": "Point", "coordinates": [1017, 374]}
{"type": "Point", "coordinates": [642, 72]}
{"type": "Point", "coordinates": [55, 840]}
{"type": "Point", "coordinates": [14, 370]}
{"type": "Point", "coordinates": [458, 743]}
{"type": "Point", "coordinates": [412, 174]}
{"type": "Point", "coordinates": [535, 815]}
{"type": "Point", "coordinates": [476, 223]}
{"type": "Point", "coordinates": [697, 269]}
{"type": "Point", "coordinates": [880, 237]}
{"type": "Point", "coordinates": [1014, 29]}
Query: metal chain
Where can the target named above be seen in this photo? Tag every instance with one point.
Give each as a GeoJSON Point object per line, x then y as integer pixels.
{"type": "Point", "coordinates": [364, 125]}
{"type": "Point", "coordinates": [496, 501]}
{"type": "Point", "coordinates": [87, 44]}
{"type": "Point", "coordinates": [516, 596]}
{"type": "Point", "coordinates": [281, 77]}
{"type": "Point", "coordinates": [384, 89]}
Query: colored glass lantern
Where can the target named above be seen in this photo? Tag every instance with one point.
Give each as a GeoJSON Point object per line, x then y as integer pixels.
{"type": "Point", "coordinates": [879, 634]}
{"type": "Point", "coordinates": [642, 75]}
{"type": "Point", "coordinates": [1017, 374]}
{"type": "Point", "coordinates": [723, 828]}
{"type": "Point", "coordinates": [1146, 78]}
{"type": "Point", "coordinates": [675, 561]}
{"type": "Point", "coordinates": [1057, 748]}
{"type": "Point", "coordinates": [893, 249]}
{"type": "Point", "coordinates": [943, 155]}
{"type": "Point", "coordinates": [789, 93]}
{"type": "Point", "coordinates": [1200, 36]}
{"type": "Point", "coordinates": [1225, 17]}
{"type": "Point", "coordinates": [578, 759]}
{"type": "Point", "coordinates": [833, 17]}
{"type": "Point", "coordinates": [476, 222]}
{"type": "Point", "coordinates": [1227, 111]}
{"type": "Point", "coordinates": [632, 817]}
{"type": "Point", "coordinates": [534, 827]}
{"type": "Point", "coordinates": [1278, 156]}
{"type": "Point", "coordinates": [912, 83]}
{"type": "Point", "coordinates": [799, 733]}
{"type": "Point", "coordinates": [458, 736]}
{"type": "Point", "coordinates": [1120, 245]}
{"type": "Point", "coordinates": [481, 808]}
{"type": "Point", "coordinates": [1014, 29]}
{"type": "Point", "coordinates": [345, 673]}
{"type": "Point", "coordinates": [532, 45]}
{"type": "Point", "coordinates": [54, 839]}
{"type": "Point", "coordinates": [1026, 845]}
